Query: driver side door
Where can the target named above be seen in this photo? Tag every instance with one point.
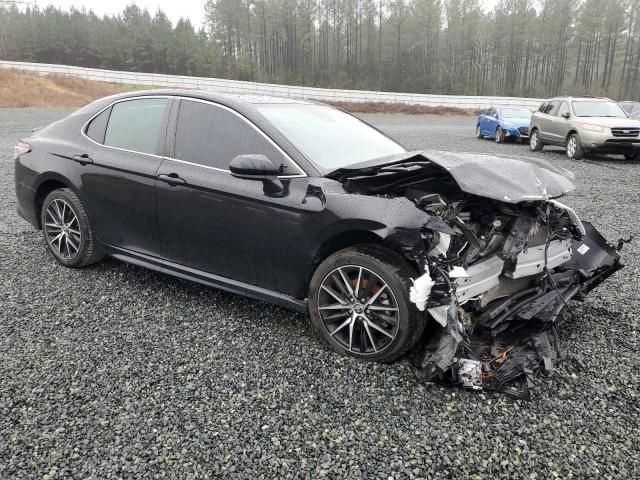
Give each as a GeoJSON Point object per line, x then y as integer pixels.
{"type": "Point", "coordinates": [208, 219]}
{"type": "Point", "coordinates": [561, 126]}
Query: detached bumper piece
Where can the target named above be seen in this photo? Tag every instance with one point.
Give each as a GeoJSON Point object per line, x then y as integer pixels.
{"type": "Point", "coordinates": [515, 336]}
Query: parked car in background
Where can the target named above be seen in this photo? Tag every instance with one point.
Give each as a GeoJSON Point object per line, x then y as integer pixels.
{"type": "Point", "coordinates": [584, 125]}
{"type": "Point", "coordinates": [632, 108]}
{"type": "Point", "coordinates": [501, 123]}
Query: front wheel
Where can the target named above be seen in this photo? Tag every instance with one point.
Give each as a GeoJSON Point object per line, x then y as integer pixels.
{"type": "Point", "coordinates": [631, 156]}
{"type": "Point", "coordinates": [359, 304]}
{"type": "Point", "coordinates": [574, 149]}
{"type": "Point", "coordinates": [67, 230]}
{"type": "Point", "coordinates": [535, 142]}
{"type": "Point", "coordinates": [500, 135]}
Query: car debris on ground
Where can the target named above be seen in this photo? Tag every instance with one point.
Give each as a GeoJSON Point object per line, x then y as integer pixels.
{"type": "Point", "coordinates": [500, 260]}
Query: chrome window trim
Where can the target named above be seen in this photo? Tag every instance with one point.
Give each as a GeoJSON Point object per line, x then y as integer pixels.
{"type": "Point", "coordinates": [86, 124]}
{"type": "Point", "coordinates": [302, 173]}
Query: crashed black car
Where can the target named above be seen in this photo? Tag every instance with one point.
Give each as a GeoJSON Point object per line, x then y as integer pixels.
{"type": "Point", "coordinates": [308, 207]}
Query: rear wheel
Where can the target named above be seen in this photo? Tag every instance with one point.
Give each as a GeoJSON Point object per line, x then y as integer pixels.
{"type": "Point", "coordinates": [67, 231]}
{"type": "Point", "coordinates": [479, 132]}
{"type": "Point", "coordinates": [359, 304]}
{"type": "Point", "coordinates": [574, 149]}
{"type": "Point", "coordinates": [500, 135]}
{"type": "Point", "coordinates": [535, 142]}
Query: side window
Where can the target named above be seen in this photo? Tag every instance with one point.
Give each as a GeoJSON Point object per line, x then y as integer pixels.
{"type": "Point", "coordinates": [213, 136]}
{"type": "Point", "coordinates": [135, 124]}
{"type": "Point", "coordinates": [552, 107]}
{"type": "Point", "coordinates": [564, 108]}
{"type": "Point", "coordinates": [96, 129]}
{"type": "Point", "coordinates": [543, 107]}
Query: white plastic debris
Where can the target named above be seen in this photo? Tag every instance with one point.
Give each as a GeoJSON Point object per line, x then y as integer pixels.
{"type": "Point", "coordinates": [458, 272]}
{"type": "Point", "coordinates": [439, 314]}
{"type": "Point", "coordinates": [470, 373]}
{"type": "Point", "coordinates": [420, 290]}
{"type": "Point", "coordinates": [442, 247]}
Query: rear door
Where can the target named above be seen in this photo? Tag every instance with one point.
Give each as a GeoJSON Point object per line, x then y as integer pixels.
{"type": "Point", "coordinates": [208, 219]}
{"type": "Point", "coordinates": [546, 120]}
{"type": "Point", "coordinates": [491, 122]}
{"type": "Point", "coordinates": [116, 169]}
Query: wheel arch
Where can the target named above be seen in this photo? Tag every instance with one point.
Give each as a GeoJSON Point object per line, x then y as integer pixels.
{"type": "Point", "coordinates": [352, 238]}
{"type": "Point", "coordinates": [339, 242]}
{"type": "Point", "coordinates": [571, 132]}
{"type": "Point", "coordinates": [47, 185]}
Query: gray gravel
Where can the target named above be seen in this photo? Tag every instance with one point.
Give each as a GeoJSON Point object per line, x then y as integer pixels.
{"type": "Point", "coordinates": [114, 371]}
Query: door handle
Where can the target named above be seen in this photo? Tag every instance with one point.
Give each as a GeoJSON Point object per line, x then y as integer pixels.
{"type": "Point", "coordinates": [172, 179]}
{"type": "Point", "coordinates": [83, 159]}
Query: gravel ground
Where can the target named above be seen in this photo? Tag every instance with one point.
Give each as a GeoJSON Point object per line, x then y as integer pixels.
{"type": "Point", "coordinates": [114, 371]}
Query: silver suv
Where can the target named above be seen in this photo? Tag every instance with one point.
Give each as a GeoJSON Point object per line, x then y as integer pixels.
{"type": "Point", "coordinates": [583, 125]}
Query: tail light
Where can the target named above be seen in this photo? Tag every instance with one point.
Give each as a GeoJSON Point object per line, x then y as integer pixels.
{"type": "Point", "coordinates": [21, 148]}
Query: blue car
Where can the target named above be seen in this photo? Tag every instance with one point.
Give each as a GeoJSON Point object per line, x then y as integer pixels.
{"type": "Point", "coordinates": [504, 122]}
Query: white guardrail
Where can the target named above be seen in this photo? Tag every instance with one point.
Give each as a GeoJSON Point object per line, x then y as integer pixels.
{"type": "Point", "coordinates": [253, 88]}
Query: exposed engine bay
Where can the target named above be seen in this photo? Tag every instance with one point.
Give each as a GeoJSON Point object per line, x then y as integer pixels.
{"type": "Point", "coordinates": [498, 270]}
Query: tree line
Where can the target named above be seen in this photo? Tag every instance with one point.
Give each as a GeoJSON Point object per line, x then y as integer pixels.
{"type": "Point", "coordinates": [522, 47]}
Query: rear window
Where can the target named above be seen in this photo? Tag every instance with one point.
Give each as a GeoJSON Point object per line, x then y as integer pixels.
{"type": "Point", "coordinates": [135, 124]}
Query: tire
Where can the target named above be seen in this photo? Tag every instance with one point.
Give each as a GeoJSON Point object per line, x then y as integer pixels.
{"type": "Point", "coordinates": [631, 156]}
{"type": "Point", "coordinates": [535, 142]}
{"type": "Point", "coordinates": [64, 217]}
{"type": "Point", "coordinates": [378, 265]}
{"type": "Point", "coordinates": [574, 149]}
{"type": "Point", "coordinates": [500, 135]}
{"type": "Point", "coordinates": [478, 133]}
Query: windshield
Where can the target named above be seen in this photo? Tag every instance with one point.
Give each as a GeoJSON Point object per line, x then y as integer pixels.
{"type": "Point", "coordinates": [587, 108]}
{"type": "Point", "coordinates": [330, 138]}
{"type": "Point", "coordinates": [514, 112]}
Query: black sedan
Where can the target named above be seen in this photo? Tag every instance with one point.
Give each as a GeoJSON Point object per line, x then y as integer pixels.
{"type": "Point", "coordinates": [306, 206]}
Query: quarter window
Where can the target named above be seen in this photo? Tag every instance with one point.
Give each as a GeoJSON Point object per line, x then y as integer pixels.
{"type": "Point", "coordinates": [96, 129]}
{"type": "Point", "coordinates": [213, 136]}
{"type": "Point", "coordinates": [136, 124]}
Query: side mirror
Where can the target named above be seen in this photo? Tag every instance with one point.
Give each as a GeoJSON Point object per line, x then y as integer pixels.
{"type": "Point", "coordinates": [258, 167]}
{"type": "Point", "coordinates": [566, 115]}
{"type": "Point", "coordinates": [253, 167]}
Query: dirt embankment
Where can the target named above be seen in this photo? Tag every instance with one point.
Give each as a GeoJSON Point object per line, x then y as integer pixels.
{"type": "Point", "coordinates": [20, 89]}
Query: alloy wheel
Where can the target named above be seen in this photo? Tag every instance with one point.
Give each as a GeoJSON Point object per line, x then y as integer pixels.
{"type": "Point", "coordinates": [62, 229]}
{"type": "Point", "coordinates": [358, 309]}
{"type": "Point", "coordinates": [572, 145]}
{"type": "Point", "coordinates": [533, 141]}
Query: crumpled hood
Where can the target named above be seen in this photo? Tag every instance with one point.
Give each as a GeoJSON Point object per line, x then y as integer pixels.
{"type": "Point", "coordinates": [508, 179]}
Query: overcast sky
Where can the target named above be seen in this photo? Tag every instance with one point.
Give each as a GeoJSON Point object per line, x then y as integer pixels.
{"type": "Point", "coordinates": [193, 9]}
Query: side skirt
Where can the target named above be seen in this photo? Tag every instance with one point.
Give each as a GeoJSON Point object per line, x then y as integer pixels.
{"type": "Point", "coordinates": [206, 278]}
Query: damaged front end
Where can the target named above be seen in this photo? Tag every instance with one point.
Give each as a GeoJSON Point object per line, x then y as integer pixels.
{"type": "Point", "coordinates": [500, 260]}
